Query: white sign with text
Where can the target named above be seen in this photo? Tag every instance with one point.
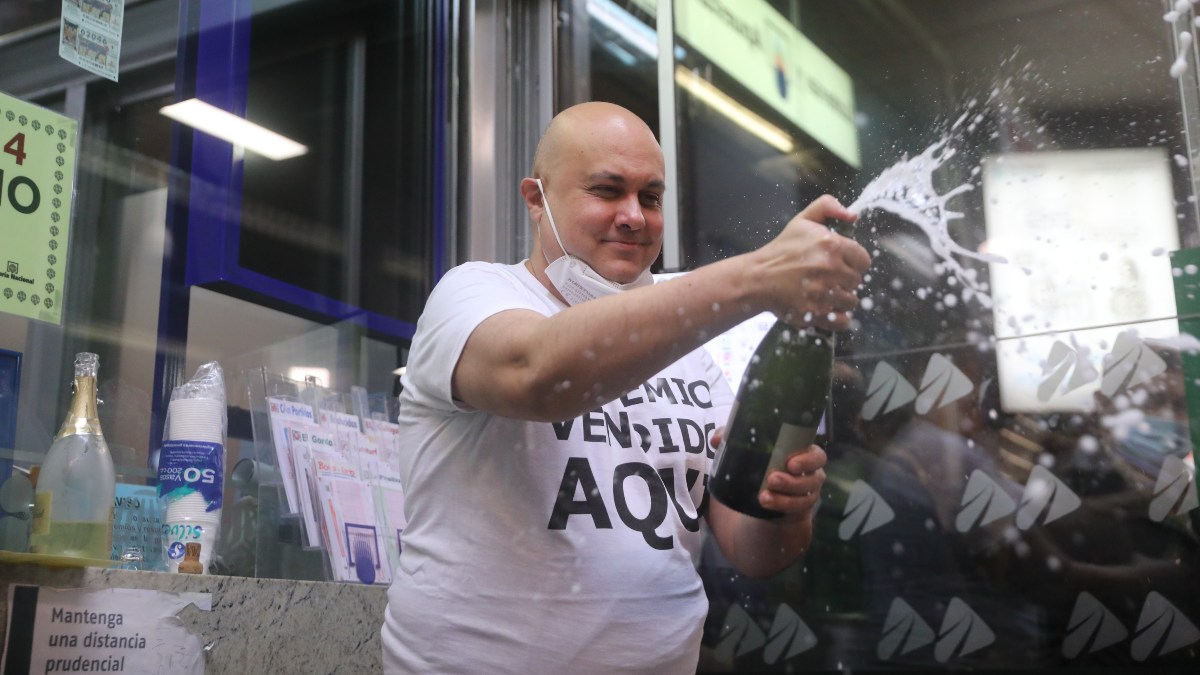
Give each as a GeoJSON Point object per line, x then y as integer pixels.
{"type": "Point", "coordinates": [116, 630]}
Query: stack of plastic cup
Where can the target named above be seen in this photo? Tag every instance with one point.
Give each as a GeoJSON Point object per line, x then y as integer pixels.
{"type": "Point", "coordinates": [188, 517]}
{"type": "Point", "coordinates": [196, 419]}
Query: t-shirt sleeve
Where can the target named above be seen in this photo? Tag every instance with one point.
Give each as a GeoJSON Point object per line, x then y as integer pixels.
{"type": "Point", "coordinates": [465, 297]}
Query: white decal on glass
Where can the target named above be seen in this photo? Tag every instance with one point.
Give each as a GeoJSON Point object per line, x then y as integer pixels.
{"type": "Point", "coordinates": [903, 631]}
{"type": "Point", "coordinates": [888, 387]}
{"type": "Point", "coordinates": [1064, 361]}
{"type": "Point", "coordinates": [1161, 625]}
{"type": "Point", "coordinates": [962, 632]}
{"type": "Point", "coordinates": [865, 511]}
{"type": "Point", "coordinates": [1130, 363]}
{"type": "Point", "coordinates": [1045, 493]}
{"type": "Point", "coordinates": [1092, 627]}
{"type": "Point", "coordinates": [983, 502]}
{"type": "Point", "coordinates": [739, 636]}
{"type": "Point", "coordinates": [789, 636]}
{"type": "Point", "coordinates": [941, 384]}
{"type": "Point", "coordinates": [1174, 491]}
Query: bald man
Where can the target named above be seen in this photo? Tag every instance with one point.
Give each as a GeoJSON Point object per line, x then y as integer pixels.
{"type": "Point", "coordinates": [559, 422]}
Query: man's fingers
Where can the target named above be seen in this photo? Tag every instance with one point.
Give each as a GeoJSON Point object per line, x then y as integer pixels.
{"type": "Point", "coordinates": [807, 461]}
{"type": "Point", "coordinates": [825, 207]}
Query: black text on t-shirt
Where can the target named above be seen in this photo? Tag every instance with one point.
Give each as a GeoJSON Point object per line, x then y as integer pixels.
{"type": "Point", "coordinates": [664, 435]}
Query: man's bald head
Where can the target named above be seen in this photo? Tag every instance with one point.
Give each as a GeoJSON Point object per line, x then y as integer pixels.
{"type": "Point", "coordinates": [584, 125]}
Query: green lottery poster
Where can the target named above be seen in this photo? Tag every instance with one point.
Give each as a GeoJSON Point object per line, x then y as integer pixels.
{"type": "Point", "coordinates": [37, 170]}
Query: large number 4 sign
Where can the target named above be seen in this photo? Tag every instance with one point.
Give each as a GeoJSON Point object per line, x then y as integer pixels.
{"type": "Point", "coordinates": [16, 147]}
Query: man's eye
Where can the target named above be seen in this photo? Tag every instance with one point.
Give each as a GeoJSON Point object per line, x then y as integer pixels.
{"type": "Point", "coordinates": [652, 199]}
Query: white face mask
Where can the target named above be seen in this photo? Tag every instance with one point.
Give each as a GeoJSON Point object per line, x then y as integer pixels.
{"type": "Point", "coordinates": [574, 279]}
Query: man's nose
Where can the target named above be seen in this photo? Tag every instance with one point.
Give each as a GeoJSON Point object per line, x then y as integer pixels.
{"type": "Point", "coordinates": [630, 214]}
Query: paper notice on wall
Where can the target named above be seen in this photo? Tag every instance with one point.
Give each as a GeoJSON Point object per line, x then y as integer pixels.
{"type": "Point", "coordinates": [117, 630]}
{"type": "Point", "coordinates": [37, 175]}
{"type": "Point", "coordinates": [89, 35]}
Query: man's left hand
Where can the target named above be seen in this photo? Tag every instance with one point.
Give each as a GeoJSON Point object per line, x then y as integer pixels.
{"type": "Point", "coordinates": [794, 490]}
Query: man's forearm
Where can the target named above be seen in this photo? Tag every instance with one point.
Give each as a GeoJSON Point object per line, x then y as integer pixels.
{"type": "Point", "coordinates": [523, 365]}
{"type": "Point", "coordinates": [554, 368]}
{"type": "Point", "coordinates": [760, 548]}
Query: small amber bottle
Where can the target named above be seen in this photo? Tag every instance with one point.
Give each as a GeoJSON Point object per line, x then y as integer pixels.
{"type": "Point", "coordinates": [191, 559]}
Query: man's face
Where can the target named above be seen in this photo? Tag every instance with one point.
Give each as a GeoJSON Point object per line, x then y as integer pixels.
{"type": "Point", "coordinates": [607, 203]}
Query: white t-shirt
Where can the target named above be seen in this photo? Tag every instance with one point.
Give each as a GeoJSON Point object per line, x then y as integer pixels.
{"type": "Point", "coordinates": [543, 548]}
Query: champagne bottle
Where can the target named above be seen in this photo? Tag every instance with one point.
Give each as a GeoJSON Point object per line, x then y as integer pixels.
{"type": "Point", "coordinates": [73, 501]}
{"type": "Point", "coordinates": [780, 402]}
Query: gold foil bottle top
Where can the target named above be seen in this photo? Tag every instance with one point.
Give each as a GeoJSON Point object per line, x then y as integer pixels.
{"type": "Point", "coordinates": [83, 416]}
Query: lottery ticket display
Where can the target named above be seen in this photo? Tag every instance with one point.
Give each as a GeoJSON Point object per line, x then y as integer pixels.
{"type": "Point", "coordinates": [90, 35]}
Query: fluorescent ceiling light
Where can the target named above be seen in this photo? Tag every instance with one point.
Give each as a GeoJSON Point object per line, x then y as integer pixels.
{"type": "Point", "coordinates": [229, 127]}
{"type": "Point", "coordinates": [727, 106]}
{"type": "Point", "coordinates": [302, 374]}
{"type": "Point", "coordinates": [645, 40]}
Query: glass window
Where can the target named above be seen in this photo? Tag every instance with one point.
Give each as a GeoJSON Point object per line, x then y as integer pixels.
{"type": "Point", "coordinates": [336, 247]}
{"type": "Point", "coordinates": [1011, 481]}
{"type": "Point", "coordinates": [351, 218]}
{"type": "Point", "coordinates": [23, 14]}
{"type": "Point", "coordinates": [623, 55]}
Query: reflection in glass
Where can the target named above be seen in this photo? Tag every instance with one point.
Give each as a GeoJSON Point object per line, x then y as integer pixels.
{"type": "Point", "coordinates": [353, 218]}
{"type": "Point", "coordinates": [1011, 481]}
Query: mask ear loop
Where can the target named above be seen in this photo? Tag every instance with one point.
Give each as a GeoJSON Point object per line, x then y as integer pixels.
{"type": "Point", "coordinates": [550, 217]}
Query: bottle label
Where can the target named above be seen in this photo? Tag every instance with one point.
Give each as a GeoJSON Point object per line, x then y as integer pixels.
{"type": "Point", "coordinates": [187, 467]}
{"type": "Point", "coordinates": [42, 501]}
{"type": "Point", "coordinates": [791, 439]}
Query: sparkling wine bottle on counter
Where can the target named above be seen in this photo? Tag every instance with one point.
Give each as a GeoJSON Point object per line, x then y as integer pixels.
{"type": "Point", "coordinates": [73, 500]}
{"type": "Point", "coordinates": [779, 406]}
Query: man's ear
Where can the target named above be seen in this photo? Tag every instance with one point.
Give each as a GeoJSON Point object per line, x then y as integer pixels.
{"type": "Point", "coordinates": [532, 197]}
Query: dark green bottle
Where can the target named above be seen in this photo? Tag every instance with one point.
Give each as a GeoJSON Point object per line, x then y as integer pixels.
{"type": "Point", "coordinates": [780, 403]}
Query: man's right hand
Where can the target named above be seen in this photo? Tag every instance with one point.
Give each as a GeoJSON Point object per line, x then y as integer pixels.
{"type": "Point", "coordinates": [810, 274]}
